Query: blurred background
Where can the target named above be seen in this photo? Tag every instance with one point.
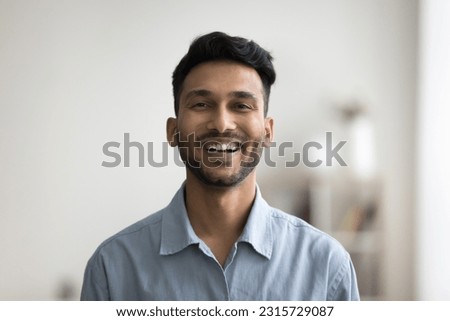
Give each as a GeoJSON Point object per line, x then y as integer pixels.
{"type": "Point", "coordinates": [75, 75]}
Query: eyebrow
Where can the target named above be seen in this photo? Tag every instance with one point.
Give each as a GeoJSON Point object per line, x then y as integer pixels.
{"type": "Point", "coordinates": [199, 92]}
{"type": "Point", "coordinates": [243, 95]}
{"type": "Point", "coordinates": [207, 93]}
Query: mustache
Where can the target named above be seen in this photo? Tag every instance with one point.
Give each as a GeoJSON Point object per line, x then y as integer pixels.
{"type": "Point", "coordinates": [215, 135]}
{"type": "Point", "coordinates": [200, 139]}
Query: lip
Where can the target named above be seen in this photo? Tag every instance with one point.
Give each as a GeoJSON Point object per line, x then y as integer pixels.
{"type": "Point", "coordinates": [220, 146]}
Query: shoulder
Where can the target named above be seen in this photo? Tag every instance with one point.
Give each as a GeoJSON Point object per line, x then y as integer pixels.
{"type": "Point", "coordinates": [138, 236]}
{"type": "Point", "coordinates": [296, 231]}
{"type": "Point", "coordinates": [283, 220]}
{"type": "Point", "coordinates": [146, 223]}
{"type": "Point", "coordinates": [118, 254]}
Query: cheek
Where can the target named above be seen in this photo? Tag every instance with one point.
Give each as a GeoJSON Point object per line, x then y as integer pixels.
{"type": "Point", "coordinates": [186, 124]}
{"type": "Point", "coordinates": [255, 128]}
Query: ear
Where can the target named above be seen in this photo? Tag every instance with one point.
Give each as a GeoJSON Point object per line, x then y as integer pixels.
{"type": "Point", "coordinates": [171, 131]}
{"type": "Point", "coordinates": [268, 126]}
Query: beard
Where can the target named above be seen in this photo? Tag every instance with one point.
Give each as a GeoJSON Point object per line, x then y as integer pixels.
{"type": "Point", "coordinates": [206, 168]}
{"type": "Point", "coordinates": [226, 181]}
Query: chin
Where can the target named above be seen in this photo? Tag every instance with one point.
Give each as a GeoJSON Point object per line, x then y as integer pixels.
{"type": "Point", "coordinates": [225, 180]}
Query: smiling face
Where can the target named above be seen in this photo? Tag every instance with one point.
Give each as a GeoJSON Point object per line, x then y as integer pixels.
{"type": "Point", "coordinates": [221, 129]}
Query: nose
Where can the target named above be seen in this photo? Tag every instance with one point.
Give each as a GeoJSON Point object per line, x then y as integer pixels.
{"type": "Point", "coordinates": [221, 120]}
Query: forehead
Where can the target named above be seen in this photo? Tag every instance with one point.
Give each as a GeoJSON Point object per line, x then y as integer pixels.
{"type": "Point", "coordinates": [223, 77]}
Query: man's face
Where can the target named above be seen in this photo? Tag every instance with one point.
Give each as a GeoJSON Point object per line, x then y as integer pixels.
{"type": "Point", "coordinates": [221, 128]}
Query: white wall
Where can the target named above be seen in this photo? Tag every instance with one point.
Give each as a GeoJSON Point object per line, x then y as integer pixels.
{"type": "Point", "coordinates": [76, 74]}
{"type": "Point", "coordinates": [433, 179]}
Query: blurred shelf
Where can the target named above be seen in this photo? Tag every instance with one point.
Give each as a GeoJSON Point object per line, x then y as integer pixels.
{"type": "Point", "coordinates": [348, 210]}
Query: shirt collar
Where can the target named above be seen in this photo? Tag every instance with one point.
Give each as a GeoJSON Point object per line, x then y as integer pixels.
{"type": "Point", "coordinates": [258, 229]}
{"type": "Point", "coordinates": [177, 232]}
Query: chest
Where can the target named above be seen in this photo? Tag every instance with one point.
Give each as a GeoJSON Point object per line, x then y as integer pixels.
{"type": "Point", "coordinates": [196, 275]}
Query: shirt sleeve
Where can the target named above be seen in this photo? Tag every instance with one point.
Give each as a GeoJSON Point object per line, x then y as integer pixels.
{"type": "Point", "coordinates": [345, 286]}
{"type": "Point", "coordinates": [95, 285]}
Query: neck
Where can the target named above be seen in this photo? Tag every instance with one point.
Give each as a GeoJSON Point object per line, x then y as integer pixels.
{"type": "Point", "coordinates": [213, 210]}
{"type": "Point", "coordinates": [218, 214]}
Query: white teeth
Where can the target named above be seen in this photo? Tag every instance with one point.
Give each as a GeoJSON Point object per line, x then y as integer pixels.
{"type": "Point", "coordinates": [232, 147]}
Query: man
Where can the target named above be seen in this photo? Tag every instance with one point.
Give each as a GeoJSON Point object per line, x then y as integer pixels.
{"type": "Point", "coordinates": [218, 239]}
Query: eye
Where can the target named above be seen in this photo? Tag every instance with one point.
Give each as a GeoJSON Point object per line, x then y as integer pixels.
{"type": "Point", "coordinates": [243, 107]}
{"type": "Point", "coordinates": [200, 105]}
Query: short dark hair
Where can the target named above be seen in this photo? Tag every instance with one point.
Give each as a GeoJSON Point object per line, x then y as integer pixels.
{"type": "Point", "coordinates": [220, 46]}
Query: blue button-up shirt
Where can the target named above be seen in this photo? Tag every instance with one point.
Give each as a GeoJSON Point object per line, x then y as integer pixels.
{"type": "Point", "coordinates": [277, 257]}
